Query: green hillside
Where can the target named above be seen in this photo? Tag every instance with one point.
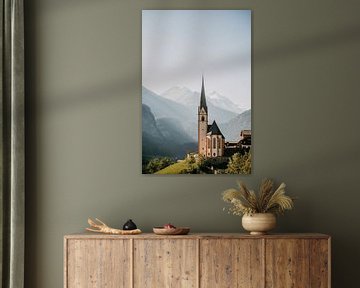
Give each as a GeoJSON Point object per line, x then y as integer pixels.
{"type": "Point", "coordinates": [176, 168]}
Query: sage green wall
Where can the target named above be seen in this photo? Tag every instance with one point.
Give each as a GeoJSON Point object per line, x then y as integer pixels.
{"type": "Point", "coordinates": [84, 126]}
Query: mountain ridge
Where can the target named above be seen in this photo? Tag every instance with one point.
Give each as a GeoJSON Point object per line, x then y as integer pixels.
{"type": "Point", "coordinates": [188, 97]}
{"type": "Point", "coordinates": [182, 118]}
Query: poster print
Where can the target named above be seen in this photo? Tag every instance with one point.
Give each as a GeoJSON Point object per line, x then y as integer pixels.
{"type": "Point", "coordinates": [196, 92]}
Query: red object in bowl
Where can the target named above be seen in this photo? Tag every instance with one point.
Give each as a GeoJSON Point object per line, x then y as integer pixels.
{"type": "Point", "coordinates": [169, 226]}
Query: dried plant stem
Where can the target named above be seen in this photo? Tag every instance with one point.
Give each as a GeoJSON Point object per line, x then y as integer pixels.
{"type": "Point", "coordinates": [245, 201]}
{"type": "Point", "coordinates": [101, 227]}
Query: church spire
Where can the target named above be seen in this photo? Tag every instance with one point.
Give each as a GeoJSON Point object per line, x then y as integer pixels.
{"type": "Point", "coordinates": [202, 98]}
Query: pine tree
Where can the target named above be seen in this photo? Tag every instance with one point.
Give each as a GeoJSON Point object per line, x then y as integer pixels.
{"type": "Point", "coordinates": [239, 164]}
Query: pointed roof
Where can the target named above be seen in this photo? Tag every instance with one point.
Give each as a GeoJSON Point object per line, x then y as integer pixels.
{"type": "Point", "coordinates": [215, 130]}
{"type": "Point", "coordinates": [203, 98]}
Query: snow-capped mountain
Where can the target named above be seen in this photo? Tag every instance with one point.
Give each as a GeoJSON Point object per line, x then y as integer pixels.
{"type": "Point", "coordinates": [172, 115]}
{"type": "Point", "coordinates": [181, 95]}
{"type": "Point", "coordinates": [187, 97]}
{"type": "Point", "coordinates": [221, 101]}
{"type": "Point", "coordinates": [162, 107]}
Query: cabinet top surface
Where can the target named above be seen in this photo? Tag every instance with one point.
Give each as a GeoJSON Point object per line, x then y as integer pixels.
{"type": "Point", "coordinates": [87, 235]}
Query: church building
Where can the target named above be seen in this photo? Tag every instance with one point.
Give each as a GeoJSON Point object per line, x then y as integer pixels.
{"type": "Point", "coordinates": [211, 142]}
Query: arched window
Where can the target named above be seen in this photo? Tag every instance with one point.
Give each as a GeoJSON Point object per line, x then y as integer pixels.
{"type": "Point", "coordinates": [214, 143]}
{"type": "Point", "coordinates": [202, 118]}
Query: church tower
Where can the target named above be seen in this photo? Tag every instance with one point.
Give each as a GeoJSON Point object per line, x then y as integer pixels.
{"type": "Point", "coordinates": [202, 122]}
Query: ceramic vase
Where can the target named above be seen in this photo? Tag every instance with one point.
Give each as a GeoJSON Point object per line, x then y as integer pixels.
{"type": "Point", "coordinates": [259, 223]}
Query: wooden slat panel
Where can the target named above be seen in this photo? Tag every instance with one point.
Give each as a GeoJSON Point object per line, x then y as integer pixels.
{"type": "Point", "coordinates": [319, 263]}
{"type": "Point", "coordinates": [287, 263]}
{"type": "Point", "coordinates": [166, 263]}
{"type": "Point", "coordinates": [200, 260]}
{"type": "Point", "coordinates": [98, 264]}
{"type": "Point", "coordinates": [231, 263]}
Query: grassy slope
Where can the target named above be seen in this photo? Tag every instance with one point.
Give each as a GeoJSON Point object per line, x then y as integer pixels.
{"type": "Point", "coordinates": [173, 169]}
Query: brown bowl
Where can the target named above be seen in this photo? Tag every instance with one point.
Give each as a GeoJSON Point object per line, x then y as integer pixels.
{"type": "Point", "coordinates": [171, 231]}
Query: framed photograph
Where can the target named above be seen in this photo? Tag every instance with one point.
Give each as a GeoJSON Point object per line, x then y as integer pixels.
{"type": "Point", "coordinates": [196, 92]}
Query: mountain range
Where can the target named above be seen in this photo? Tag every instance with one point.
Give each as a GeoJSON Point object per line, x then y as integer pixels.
{"type": "Point", "coordinates": [231, 129]}
{"type": "Point", "coordinates": [164, 137]}
{"type": "Point", "coordinates": [191, 98]}
{"type": "Point", "coordinates": [220, 108]}
{"type": "Point", "coordinates": [170, 120]}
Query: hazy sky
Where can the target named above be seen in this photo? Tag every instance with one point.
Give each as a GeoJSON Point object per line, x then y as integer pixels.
{"type": "Point", "coordinates": [179, 45]}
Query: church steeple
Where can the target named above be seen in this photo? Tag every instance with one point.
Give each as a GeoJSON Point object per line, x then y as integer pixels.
{"type": "Point", "coordinates": [203, 98]}
{"type": "Point", "coordinates": [202, 122]}
{"type": "Point", "coordinates": [211, 142]}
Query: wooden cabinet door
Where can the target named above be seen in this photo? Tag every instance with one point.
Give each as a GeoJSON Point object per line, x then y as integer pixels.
{"type": "Point", "coordinates": [231, 263]}
{"type": "Point", "coordinates": [98, 263]}
{"type": "Point", "coordinates": [287, 263]}
{"type": "Point", "coordinates": [165, 263]}
{"type": "Point", "coordinates": [297, 263]}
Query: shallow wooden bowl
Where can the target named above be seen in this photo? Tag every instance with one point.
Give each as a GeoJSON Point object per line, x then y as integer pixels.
{"type": "Point", "coordinates": [171, 231]}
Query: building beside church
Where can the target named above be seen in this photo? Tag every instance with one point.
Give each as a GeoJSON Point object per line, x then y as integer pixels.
{"type": "Point", "coordinates": [245, 139]}
{"type": "Point", "coordinates": [211, 142]}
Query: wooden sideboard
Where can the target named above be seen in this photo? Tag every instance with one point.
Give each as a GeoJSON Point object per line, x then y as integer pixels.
{"type": "Point", "coordinates": [197, 260]}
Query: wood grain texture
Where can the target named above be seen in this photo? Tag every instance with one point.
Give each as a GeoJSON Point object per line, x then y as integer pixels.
{"type": "Point", "coordinates": [319, 263]}
{"type": "Point", "coordinates": [287, 263]}
{"type": "Point", "coordinates": [166, 263]}
{"type": "Point", "coordinates": [197, 260]}
{"type": "Point", "coordinates": [231, 263]}
{"type": "Point", "coordinates": [98, 264]}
